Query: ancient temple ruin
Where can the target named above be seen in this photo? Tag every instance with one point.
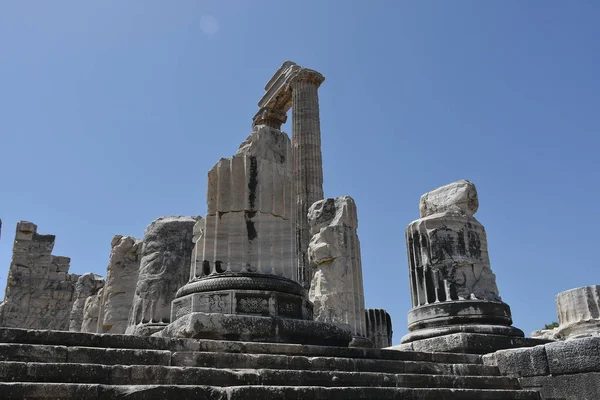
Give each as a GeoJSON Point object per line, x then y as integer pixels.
{"type": "Point", "coordinates": [262, 298]}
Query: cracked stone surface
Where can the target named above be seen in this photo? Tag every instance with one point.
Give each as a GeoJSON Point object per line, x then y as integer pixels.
{"type": "Point", "coordinates": [334, 250]}
{"type": "Point", "coordinates": [39, 288]}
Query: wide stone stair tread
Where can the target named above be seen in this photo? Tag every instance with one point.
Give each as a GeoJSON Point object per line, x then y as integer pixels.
{"type": "Point", "coordinates": [77, 339]}
{"type": "Point", "coordinates": [149, 375]}
{"type": "Point", "coordinates": [94, 355]}
{"type": "Point", "coordinates": [45, 391]}
{"type": "Point", "coordinates": [68, 365]}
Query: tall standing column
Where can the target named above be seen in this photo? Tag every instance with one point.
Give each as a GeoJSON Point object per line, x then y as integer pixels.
{"type": "Point", "coordinates": [308, 162]}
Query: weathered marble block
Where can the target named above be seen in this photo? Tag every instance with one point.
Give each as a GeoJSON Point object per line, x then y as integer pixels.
{"type": "Point", "coordinates": [87, 285]}
{"type": "Point", "coordinates": [164, 267]}
{"type": "Point", "coordinates": [336, 289]}
{"type": "Point", "coordinates": [578, 314]}
{"type": "Point", "coordinates": [121, 281]}
{"type": "Point", "coordinates": [39, 289]}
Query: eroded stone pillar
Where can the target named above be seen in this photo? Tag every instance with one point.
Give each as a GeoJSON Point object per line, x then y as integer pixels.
{"type": "Point", "coordinates": [336, 289]}
{"type": "Point", "coordinates": [87, 285]}
{"type": "Point", "coordinates": [39, 288]}
{"type": "Point", "coordinates": [121, 281]}
{"type": "Point", "coordinates": [91, 311]}
{"type": "Point", "coordinates": [308, 161]}
{"type": "Point", "coordinates": [453, 288]}
{"type": "Point", "coordinates": [164, 268]}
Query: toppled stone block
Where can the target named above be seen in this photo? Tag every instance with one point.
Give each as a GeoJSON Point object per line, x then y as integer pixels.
{"type": "Point", "coordinates": [39, 291]}
{"type": "Point", "coordinates": [457, 198]}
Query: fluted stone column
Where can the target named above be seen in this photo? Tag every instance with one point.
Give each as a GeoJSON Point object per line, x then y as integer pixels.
{"type": "Point", "coordinates": [379, 327]}
{"type": "Point", "coordinates": [452, 285]}
{"type": "Point", "coordinates": [308, 162]}
{"type": "Point", "coordinates": [242, 282]}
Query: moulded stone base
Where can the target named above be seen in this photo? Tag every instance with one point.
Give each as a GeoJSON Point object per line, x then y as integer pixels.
{"type": "Point", "coordinates": [252, 328]}
{"type": "Point", "coordinates": [249, 302]}
{"type": "Point", "coordinates": [467, 328]}
{"type": "Point", "coordinates": [459, 312]}
{"type": "Point", "coordinates": [470, 343]}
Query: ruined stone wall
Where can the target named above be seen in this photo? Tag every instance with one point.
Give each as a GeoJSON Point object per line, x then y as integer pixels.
{"type": "Point", "coordinates": [39, 288]}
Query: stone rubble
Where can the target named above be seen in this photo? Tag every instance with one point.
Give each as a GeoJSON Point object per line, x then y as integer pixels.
{"type": "Point", "coordinates": [39, 289]}
{"type": "Point", "coordinates": [334, 250]}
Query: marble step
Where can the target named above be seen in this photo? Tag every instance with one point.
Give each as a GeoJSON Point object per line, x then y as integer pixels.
{"type": "Point", "coordinates": [108, 356]}
{"type": "Point", "coordinates": [47, 391]}
{"type": "Point", "coordinates": [162, 375]}
{"type": "Point", "coordinates": [78, 339]}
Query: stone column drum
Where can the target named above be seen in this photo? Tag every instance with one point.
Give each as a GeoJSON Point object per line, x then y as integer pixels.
{"type": "Point", "coordinates": [164, 268]}
{"type": "Point", "coordinates": [242, 281]}
{"type": "Point", "coordinates": [453, 288]}
{"type": "Point", "coordinates": [336, 289]}
{"type": "Point", "coordinates": [379, 327]}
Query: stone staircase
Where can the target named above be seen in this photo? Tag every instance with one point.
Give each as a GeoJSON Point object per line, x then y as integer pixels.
{"type": "Point", "coordinates": [69, 365]}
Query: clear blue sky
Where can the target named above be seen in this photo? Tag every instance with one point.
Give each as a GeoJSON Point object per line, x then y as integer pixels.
{"type": "Point", "coordinates": [112, 112]}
